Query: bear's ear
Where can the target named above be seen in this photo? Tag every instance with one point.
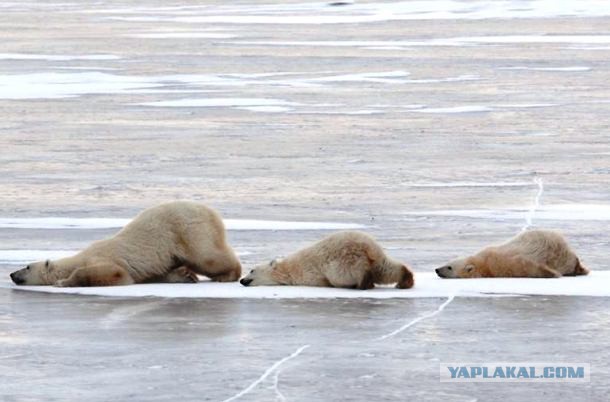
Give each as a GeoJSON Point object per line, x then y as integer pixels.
{"type": "Point", "coordinates": [46, 264]}
{"type": "Point", "coordinates": [468, 268]}
{"type": "Point", "coordinates": [273, 263]}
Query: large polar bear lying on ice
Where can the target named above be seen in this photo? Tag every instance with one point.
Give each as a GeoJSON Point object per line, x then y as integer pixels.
{"type": "Point", "coordinates": [171, 242]}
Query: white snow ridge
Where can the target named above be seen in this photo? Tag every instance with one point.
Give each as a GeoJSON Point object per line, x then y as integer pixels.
{"type": "Point", "coordinates": [427, 284]}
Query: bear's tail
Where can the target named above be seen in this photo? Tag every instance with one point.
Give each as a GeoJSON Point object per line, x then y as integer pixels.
{"type": "Point", "coordinates": [579, 269]}
{"type": "Point", "coordinates": [396, 272]}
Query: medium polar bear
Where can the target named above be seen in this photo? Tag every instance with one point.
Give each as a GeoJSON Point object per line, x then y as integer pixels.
{"type": "Point", "coordinates": [535, 254]}
{"type": "Point", "coordinates": [172, 242]}
{"type": "Point", "coordinates": [343, 260]}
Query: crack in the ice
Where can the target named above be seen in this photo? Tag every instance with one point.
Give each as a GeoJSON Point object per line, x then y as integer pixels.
{"type": "Point", "coordinates": [276, 383]}
{"type": "Point", "coordinates": [418, 319]}
{"type": "Point", "coordinates": [266, 374]}
{"type": "Point", "coordinates": [535, 205]}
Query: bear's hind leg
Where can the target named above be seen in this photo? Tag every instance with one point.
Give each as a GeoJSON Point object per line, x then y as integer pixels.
{"type": "Point", "coordinates": [230, 276]}
{"type": "Point", "coordinates": [367, 282]}
{"type": "Point", "coordinates": [97, 275]}
{"type": "Point", "coordinates": [523, 267]}
{"type": "Point", "coordinates": [218, 266]}
{"type": "Point", "coordinates": [180, 275]}
{"type": "Point", "coordinates": [579, 269]}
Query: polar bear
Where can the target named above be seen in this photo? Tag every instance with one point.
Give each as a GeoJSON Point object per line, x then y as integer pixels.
{"type": "Point", "coordinates": [534, 253]}
{"type": "Point", "coordinates": [344, 260]}
{"type": "Point", "coordinates": [171, 242]}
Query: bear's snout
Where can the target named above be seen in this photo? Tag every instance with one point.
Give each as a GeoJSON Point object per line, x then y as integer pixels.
{"type": "Point", "coordinates": [15, 278]}
{"type": "Point", "coordinates": [245, 281]}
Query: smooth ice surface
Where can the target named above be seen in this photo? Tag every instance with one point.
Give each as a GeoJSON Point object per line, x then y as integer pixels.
{"type": "Point", "coordinates": [427, 284]}
{"type": "Point", "coordinates": [57, 346]}
{"type": "Point", "coordinates": [107, 223]}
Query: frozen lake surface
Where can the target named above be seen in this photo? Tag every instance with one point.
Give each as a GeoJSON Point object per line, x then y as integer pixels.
{"type": "Point", "coordinates": [437, 126]}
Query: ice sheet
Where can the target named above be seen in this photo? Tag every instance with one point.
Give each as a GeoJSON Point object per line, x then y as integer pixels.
{"type": "Point", "coordinates": [427, 284]}
{"type": "Point", "coordinates": [110, 223]}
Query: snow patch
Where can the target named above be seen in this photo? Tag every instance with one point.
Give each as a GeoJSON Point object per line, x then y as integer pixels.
{"type": "Point", "coordinates": [319, 12]}
{"type": "Point", "coordinates": [557, 212]}
{"type": "Point", "coordinates": [455, 109]}
{"type": "Point", "coordinates": [220, 102]}
{"type": "Point", "coordinates": [182, 35]}
{"type": "Point", "coordinates": [468, 184]}
{"type": "Point", "coordinates": [56, 57]}
{"type": "Point", "coordinates": [461, 41]}
{"type": "Point", "coordinates": [427, 284]}
{"type": "Point", "coordinates": [64, 85]}
{"type": "Point", "coordinates": [567, 69]}
{"type": "Point", "coordinates": [266, 109]}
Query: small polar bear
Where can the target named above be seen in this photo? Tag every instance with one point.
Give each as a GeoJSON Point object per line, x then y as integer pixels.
{"type": "Point", "coordinates": [344, 260]}
{"type": "Point", "coordinates": [534, 254]}
{"type": "Point", "coordinates": [172, 242]}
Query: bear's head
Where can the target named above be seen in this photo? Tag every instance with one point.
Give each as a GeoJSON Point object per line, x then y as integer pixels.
{"type": "Point", "coordinates": [261, 275]}
{"type": "Point", "coordinates": [34, 274]}
{"type": "Point", "coordinates": [468, 267]}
